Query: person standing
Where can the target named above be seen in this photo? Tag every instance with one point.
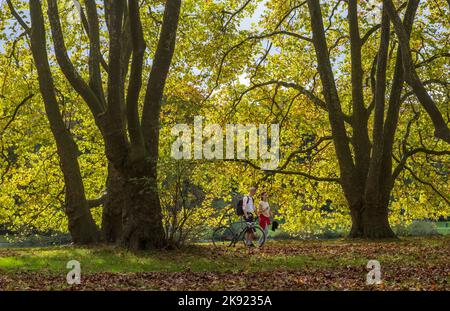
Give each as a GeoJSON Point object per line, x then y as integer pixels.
{"type": "Point", "coordinates": [248, 207]}
{"type": "Point", "coordinates": [264, 213]}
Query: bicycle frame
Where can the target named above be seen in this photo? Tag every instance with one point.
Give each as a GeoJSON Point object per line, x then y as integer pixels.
{"type": "Point", "coordinates": [238, 233]}
{"type": "Point", "coordinates": [238, 236]}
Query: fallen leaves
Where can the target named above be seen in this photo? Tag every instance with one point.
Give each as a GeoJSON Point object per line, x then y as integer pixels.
{"type": "Point", "coordinates": [340, 278]}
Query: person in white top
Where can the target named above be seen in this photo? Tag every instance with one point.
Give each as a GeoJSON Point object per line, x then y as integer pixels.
{"type": "Point", "coordinates": [248, 207]}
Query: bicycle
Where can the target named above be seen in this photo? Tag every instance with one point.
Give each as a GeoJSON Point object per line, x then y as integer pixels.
{"type": "Point", "coordinates": [226, 236]}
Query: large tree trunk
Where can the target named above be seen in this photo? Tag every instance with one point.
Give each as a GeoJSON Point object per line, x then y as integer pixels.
{"type": "Point", "coordinates": [82, 227]}
{"type": "Point", "coordinates": [81, 224]}
{"type": "Point", "coordinates": [370, 213]}
{"type": "Point", "coordinates": [371, 222]}
{"type": "Point", "coordinates": [113, 207]}
{"type": "Point", "coordinates": [142, 219]}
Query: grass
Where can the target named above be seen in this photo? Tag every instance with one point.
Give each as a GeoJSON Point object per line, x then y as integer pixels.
{"type": "Point", "coordinates": [443, 227]}
{"type": "Point", "coordinates": [108, 259]}
{"type": "Point", "coordinates": [203, 257]}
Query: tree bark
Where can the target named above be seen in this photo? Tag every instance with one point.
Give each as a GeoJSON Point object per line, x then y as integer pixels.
{"type": "Point", "coordinates": [374, 175]}
{"type": "Point", "coordinates": [370, 222]}
{"type": "Point", "coordinates": [113, 207]}
{"type": "Point", "coordinates": [360, 137]}
{"type": "Point", "coordinates": [142, 218]}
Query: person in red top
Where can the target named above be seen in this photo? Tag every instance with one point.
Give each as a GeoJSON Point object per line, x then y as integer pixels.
{"type": "Point", "coordinates": [264, 213]}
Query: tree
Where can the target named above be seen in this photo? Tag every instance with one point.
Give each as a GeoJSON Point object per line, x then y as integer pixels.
{"type": "Point", "coordinates": [131, 142]}
{"type": "Point", "coordinates": [368, 180]}
{"type": "Point", "coordinates": [364, 138]}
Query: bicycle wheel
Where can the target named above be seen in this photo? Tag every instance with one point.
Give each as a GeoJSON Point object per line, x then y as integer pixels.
{"type": "Point", "coordinates": [222, 236]}
{"type": "Point", "coordinates": [259, 237]}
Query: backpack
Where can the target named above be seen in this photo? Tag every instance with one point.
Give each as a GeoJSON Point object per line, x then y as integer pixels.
{"type": "Point", "coordinates": [239, 205]}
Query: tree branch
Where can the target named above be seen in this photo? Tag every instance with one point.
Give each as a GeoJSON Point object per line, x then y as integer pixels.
{"type": "Point", "coordinates": [116, 139]}
{"type": "Point", "coordinates": [331, 95]}
{"type": "Point", "coordinates": [302, 90]}
{"type": "Point", "coordinates": [85, 24]}
{"type": "Point", "coordinates": [360, 138]}
{"type": "Point", "coordinates": [135, 83]}
{"type": "Point", "coordinates": [427, 184]}
{"type": "Point", "coordinates": [256, 37]}
{"type": "Point", "coordinates": [232, 15]}
{"type": "Point", "coordinates": [441, 129]}
{"type": "Point", "coordinates": [161, 63]}
{"type": "Point", "coordinates": [432, 58]}
{"type": "Point", "coordinates": [379, 102]}
{"type": "Point", "coordinates": [97, 202]}
{"type": "Point", "coordinates": [412, 152]}
{"type": "Point", "coordinates": [394, 103]}
{"type": "Point", "coordinates": [74, 78]}
{"type": "Point", "coordinates": [273, 172]}
{"type": "Point", "coordinates": [372, 30]}
{"type": "Point", "coordinates": [16, 110]}
{"type": "Point", "coordinates": [18, 17]}
{"type": "Point", "coordinates": [369, 33]}
{"type": "Point", "coordinates": [95, 56]}
{"type": "Point", "coordinates": [426, 82]}
{"type": "Point", "coordinates": [309, 149]}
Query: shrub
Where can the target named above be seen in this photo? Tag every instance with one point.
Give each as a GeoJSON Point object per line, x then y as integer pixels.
{"type": "Point", "coordinates": [423, 228]}
{"type": "Point", "coordinates": [401, 230]}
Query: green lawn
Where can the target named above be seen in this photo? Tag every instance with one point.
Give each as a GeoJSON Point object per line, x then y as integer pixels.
{"type": "Point", "coordinates": [443, 227]}
{"type": "Point", "coordinates": [198, 258]}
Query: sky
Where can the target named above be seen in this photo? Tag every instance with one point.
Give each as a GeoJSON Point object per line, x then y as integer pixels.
{"type": "Point", "coordinates": [247, 22]}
